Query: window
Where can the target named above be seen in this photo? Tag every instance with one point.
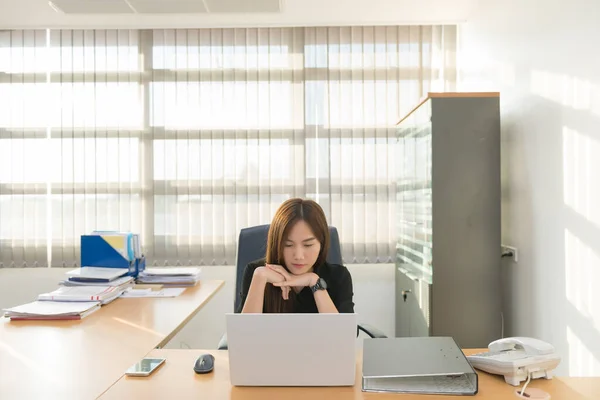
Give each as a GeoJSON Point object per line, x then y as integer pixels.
{"type": "Point", "coordinates": [187, 136]}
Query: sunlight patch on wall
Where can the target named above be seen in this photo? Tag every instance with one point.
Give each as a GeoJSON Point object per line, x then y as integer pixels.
{"type": "Point", "coordinates": [581, 361]}
{"type": "Point", "coordinates": [581, 174]}
{"type": "Point", "coordinates": [569, 91]}
{"type": "Point", "coordinates": [581, 271]}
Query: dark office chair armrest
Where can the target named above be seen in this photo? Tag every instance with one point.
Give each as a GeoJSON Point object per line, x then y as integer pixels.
{"type": "Point", "coordinates": [223, 342]}
{"type": "Point", "coordinates": [371, 331]}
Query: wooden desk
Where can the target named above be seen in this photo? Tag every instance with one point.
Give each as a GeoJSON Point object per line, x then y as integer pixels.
{"type": "Point", "coordinates": [80, 359]}
{"type": "Point", "coordinates": [177, 380]}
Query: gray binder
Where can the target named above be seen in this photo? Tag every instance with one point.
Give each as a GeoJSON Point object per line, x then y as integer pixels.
{"type": "Point", "coordinates": [426, 365]}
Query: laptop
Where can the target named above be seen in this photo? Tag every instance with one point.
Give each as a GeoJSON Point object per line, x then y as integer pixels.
{"type": "Point", "coordinates": [292, 349]}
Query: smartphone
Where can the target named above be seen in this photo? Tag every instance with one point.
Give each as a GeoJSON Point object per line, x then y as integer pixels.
{"type": "Point", "coordinates": [145, 367]}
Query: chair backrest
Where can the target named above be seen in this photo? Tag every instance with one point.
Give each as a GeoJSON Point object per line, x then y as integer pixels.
{"type": "Point", "coordinates": [252, 245]}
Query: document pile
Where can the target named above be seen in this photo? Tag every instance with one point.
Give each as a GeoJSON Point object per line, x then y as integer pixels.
{"type": "Point", "coordinates": [170, 276]}
{"type": "Point", "coordinates": [82, 293]}
{"type": "Point", "coordinates": [52, 310]}
{"type": "Point", "coordinates": [103, 294]}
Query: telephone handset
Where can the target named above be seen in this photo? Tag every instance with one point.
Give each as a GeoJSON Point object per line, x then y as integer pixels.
{"type": "Point", "coordinates": [517, 358]}
{"type": "Point", "coordinates": [531, 346]}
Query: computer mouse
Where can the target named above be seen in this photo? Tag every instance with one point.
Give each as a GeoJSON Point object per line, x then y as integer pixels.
{"type": "Point", "coordinates": [204, 364]}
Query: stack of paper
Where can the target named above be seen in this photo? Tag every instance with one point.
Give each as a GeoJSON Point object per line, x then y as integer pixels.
{"type": "Point", "coordinates": [103, 294]}
{"type": "Point", "coordinates": [166, 292]}
{"type": "Point", "coordinates": [181, 276]}
{"type": "Point", "coordinates": [51, 310]}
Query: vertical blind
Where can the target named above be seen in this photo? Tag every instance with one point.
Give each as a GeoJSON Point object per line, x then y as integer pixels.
{"type": "Point", "coordinates": [187, 136]}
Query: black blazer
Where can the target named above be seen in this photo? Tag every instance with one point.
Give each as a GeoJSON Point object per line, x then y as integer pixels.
{"type": "Point", "coordinates": [339, 287]}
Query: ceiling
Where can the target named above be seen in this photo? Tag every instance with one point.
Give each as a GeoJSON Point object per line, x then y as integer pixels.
{"type": "Point", "coordinates": [164, 6]}
{"type": "Point", "coordinates": [17, 14]}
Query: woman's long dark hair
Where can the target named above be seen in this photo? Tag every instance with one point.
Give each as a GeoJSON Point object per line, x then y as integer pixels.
{"type": "Point", "coordinates": [288, 214]}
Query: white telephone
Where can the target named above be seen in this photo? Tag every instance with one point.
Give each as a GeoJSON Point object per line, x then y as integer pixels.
{"type": "Point", "coordinates": [517, 358]}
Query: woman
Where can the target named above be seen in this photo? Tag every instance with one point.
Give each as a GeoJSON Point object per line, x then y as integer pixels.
{"type": "Point", "coordinates": [294, 277]}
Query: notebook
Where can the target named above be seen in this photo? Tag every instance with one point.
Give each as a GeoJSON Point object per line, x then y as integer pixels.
{"type": "Point", "coordinates": [96, 274]}
{"type": "Point", "coordinates": [123, 281]}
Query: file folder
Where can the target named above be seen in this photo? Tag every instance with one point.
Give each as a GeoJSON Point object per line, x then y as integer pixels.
{"type": "Point", "coordinates": [424, 365]}
{"type": "Point", "coordinates": [122, 242]}
{"type": "Point", "coordinates": [104, 250]}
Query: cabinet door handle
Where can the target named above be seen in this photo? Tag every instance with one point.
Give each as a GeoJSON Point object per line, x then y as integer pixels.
{"type": "Point", "coordinates": [405, 294]}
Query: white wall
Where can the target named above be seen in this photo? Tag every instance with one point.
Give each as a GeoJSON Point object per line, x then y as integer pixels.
{"type": "Point", "coordinates": [544, 58]}
{"type": "Point", "coordinates": [373, 296]}
{"type": "Point", "coordinates": [37, 14]}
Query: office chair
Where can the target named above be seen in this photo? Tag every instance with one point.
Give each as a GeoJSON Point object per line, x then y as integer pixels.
{"type": "Point", "coordinates": [252, 245]}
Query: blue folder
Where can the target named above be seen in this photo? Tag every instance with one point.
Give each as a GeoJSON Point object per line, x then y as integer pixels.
{"type": "Point", "coordinates": [97, 252]}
